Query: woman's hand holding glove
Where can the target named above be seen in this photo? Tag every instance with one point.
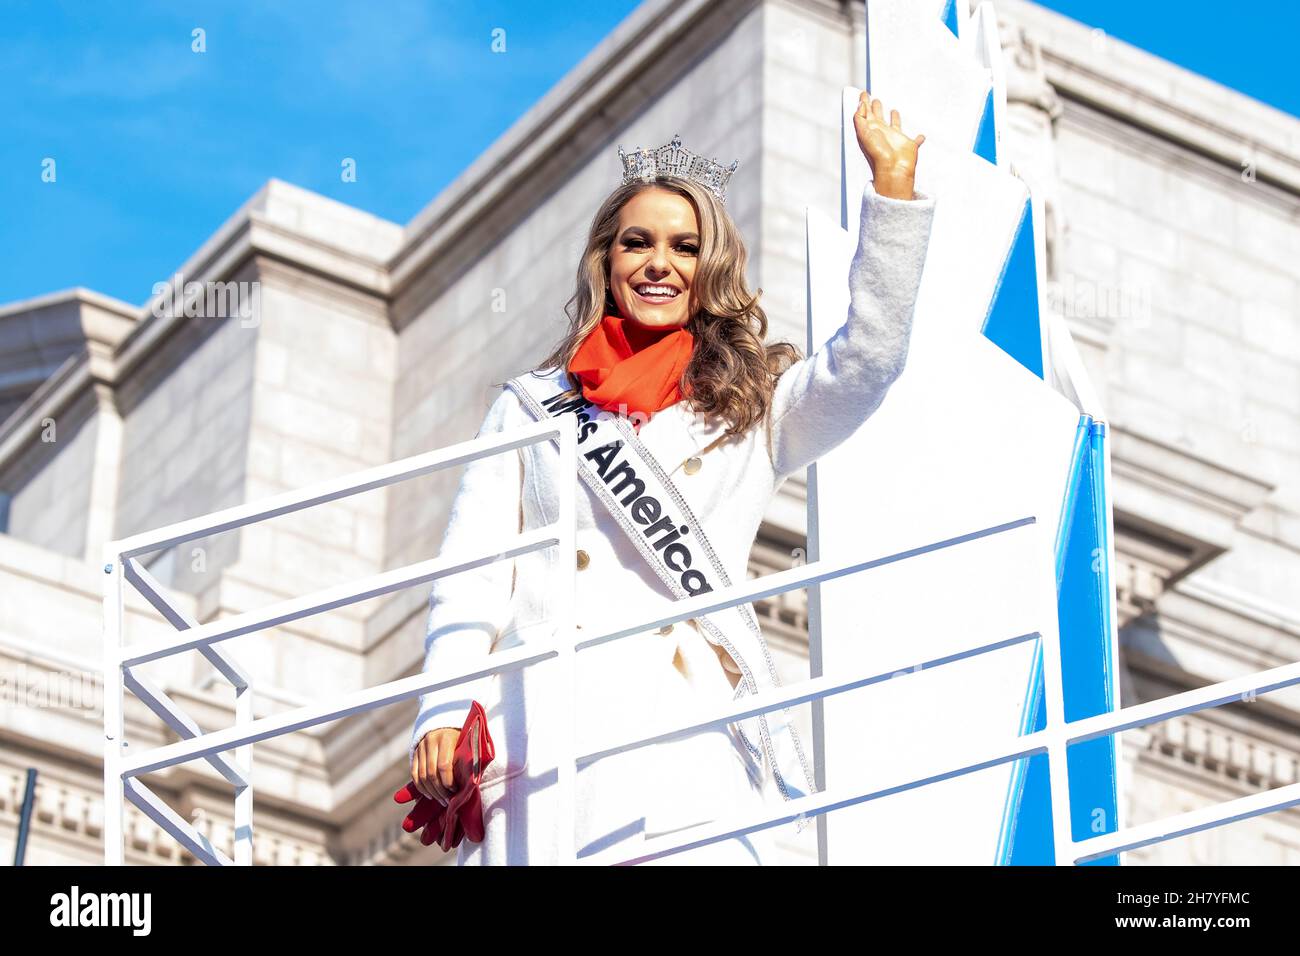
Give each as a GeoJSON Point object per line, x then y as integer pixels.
{"type": "Point", "coordinates": [446, 771]}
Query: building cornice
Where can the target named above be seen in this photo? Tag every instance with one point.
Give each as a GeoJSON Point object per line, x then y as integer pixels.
{"type": "Point", "coordinates": [39, 335]}
{"type": "Point", "coordinates": [1194, 500]}
{"type": "Point", "coordinates": [280, 222]}
{"type": "Point", "coordinates": [1141, 89]}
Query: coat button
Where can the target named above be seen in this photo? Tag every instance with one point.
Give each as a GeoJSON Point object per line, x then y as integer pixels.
{"type": "Point", "coordinates": [693, 464]}
{"type": "Point", "coordinates": [666, 629]}
{"type": "Point", "coordinates": [584, 559]}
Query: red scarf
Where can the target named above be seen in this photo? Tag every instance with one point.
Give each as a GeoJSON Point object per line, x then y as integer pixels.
{"type": "Point", "coordinates": [629, 369]}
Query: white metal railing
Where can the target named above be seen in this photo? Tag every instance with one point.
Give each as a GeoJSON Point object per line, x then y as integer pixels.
{"type": "Point", "coordinates": [229, 751]}
{"type": "Point", "coordinates": [122, 772]}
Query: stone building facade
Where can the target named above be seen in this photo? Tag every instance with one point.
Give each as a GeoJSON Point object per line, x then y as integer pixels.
{"type": "Point", "coordinates": [1172, 215]}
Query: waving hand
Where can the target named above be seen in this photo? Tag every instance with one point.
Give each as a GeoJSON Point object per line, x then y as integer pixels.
{"type": "Point", "coordinates": [890, 152]}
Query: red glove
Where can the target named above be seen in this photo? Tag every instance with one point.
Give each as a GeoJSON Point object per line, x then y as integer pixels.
{"type": "Point", "coordinates": [463, 816]}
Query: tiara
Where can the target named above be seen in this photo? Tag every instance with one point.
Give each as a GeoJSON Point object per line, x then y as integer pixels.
{"type": "Point", "coordinates": [674, 159]}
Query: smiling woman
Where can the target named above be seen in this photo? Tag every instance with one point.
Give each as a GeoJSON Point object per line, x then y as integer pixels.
{"type": "Point", "coordinates": [662, 326]}
{"type": "Point", "coordinates": [653, 260]}
{"type": "Point", "coordinates": [664, 256]}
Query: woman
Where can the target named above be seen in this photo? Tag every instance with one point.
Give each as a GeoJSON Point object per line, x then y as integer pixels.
{"type": "Point", "coordinates": [665, 335]}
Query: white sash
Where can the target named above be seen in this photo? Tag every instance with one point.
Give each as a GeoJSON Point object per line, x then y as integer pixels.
{"type": "Point", "coordinates": [642, 499]}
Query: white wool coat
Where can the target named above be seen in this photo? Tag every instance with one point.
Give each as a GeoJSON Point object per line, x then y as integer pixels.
{"type": "Point", "coordinates": [817, 404]}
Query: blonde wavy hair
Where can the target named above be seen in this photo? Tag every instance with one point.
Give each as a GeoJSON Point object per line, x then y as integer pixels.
{"type": "Point", "coordinates": [732, 370]}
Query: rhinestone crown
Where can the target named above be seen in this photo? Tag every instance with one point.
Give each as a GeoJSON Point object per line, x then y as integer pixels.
{"type": "Point", "coordinates": [674, 159]}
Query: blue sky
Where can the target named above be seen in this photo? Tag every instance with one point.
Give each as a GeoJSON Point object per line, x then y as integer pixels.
{"type": "Point", "coordinates": [156, 145]}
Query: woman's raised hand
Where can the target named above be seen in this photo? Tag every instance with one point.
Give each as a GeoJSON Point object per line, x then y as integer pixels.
{"type": "Point", "coordinates": [889, 151]}
{"type": "Point", "coordinates": [432, 768]}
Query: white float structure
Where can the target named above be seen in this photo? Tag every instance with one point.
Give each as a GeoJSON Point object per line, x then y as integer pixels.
{"type": "Point", "coordinates": [992, 424]}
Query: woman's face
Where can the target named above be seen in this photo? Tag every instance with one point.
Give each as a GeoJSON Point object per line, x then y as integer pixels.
{"type": "Point", "coordinates": [652, 258]}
